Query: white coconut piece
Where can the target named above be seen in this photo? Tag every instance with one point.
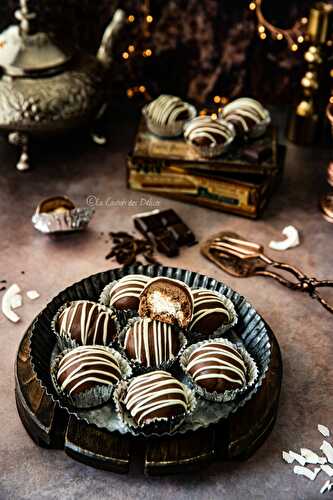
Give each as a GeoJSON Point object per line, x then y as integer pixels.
{"type": "Point", "coordinates": [327, 449]}
{"type": "Point", "coordinates": [32, 294]}
{"type": "Point", "coordinates": [16, 301]}
{"type": "Point", "coordinates": [324, 430]}
{"type": "Point", "coordinates": [287, 458]}
{"type": "Point", "coordinates": [291, 240]}
{"type": "Point", "coordinates": [326, 487]}
{"type": "Point", "coordinates": [295, 456]}
{"type": "Point", "coordinates": [311, 457]}
{"type": "Point", "coordinates": [6, 303]}
{"type": "Point", "coordinates": [304, 471]}
{"type": "Point", "coordinates": [327, 469]}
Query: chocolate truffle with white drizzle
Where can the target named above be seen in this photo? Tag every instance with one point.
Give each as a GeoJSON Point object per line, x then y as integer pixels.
{"type": "Point", "coordinates": [245, 114]}
{"type": "Point", "coordinates": [209, 312]}
{"type": "Point", "coordinates": [217, 367]}
{"type": "Point", "coordinates": [87, 323]}
{"type": "Point", "coordinates": [151, 342]}
{"type": "Point", "coordinates": [86, 367]}
{"type": "Point", "coordinates": [155, 395]}
{"type": "Point", "coordinates": [126, 292]}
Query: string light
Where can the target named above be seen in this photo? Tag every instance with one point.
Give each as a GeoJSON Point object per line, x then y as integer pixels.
{"type": "Point", "coordinates": [217, 99]}
{"type": "Point", "coordinates": [213, 116]}
{"type": "Point", "coordinates": [136, 50]}
{"type": "Point", "coordinates": [292, 35]}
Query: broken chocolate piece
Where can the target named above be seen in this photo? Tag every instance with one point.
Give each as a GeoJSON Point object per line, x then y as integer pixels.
{"type": "Point", "coordinates": [257, 153]}
{"type": "Point", "coordinates": [165, 229]}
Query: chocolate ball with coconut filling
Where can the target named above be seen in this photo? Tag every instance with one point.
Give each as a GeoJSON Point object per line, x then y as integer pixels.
{"type": "Point", "coordinates": [209, 312]}
{"type": "Point", "coordinates": [217, 367]}
{"type": "Point", "coordinates": [88, 323]}
{"type": "Point", "coordinates": [151, 342]}
{"type": "Point", "coordinates": [126, 292]}
{"type": "Point", "coordinates": [87, 367]}
{"type": "Point", "coordinates": [203, 131]}
{"type": "Point", "coordinates": [167, 300]}
{"type": "Point", "coordinates": [245, 114]}
{"type": "Point", "coordinates": [155, 395]}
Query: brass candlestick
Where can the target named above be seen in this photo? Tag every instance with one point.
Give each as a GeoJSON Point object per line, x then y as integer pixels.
{"type": "Point", "coordinates": [306, 122]}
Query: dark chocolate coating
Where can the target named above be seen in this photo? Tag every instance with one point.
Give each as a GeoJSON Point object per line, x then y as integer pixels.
{"type": "Point", "coordinates": [205, 141]}
{"type": "Point", "coordinates": [155, 382]}
{"type": "Point", "coordinates": [209, 364]}
{"type": "Point", "coordinates": [87, 323]}
{"type": "Point", "coordinates": [178, 296]}
{"type": "Point", "coordinates": [87, 367]}
{"type": "Point", "coordinates": [151, 342]}
{"type": "Point", "coordinates": [209, 312]}
{"type": "Point", "coordinates": [125, 294]}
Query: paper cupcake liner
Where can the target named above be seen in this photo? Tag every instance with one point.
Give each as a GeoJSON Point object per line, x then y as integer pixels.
{"type": "Point", "coordinates": [65, 342]}
{"type": "Point", "coordinates": [139, 368]}
{"type": "Point", "coordinates": [197, 335]}
{"type": "Point", "coordinates": [95, 396]}
{"type": "Point", "coordinates": [174, 129]}
{"type": "Point", "coordinates": [161, 425]}
{"type": "Point", "coordinates": [251, 372]}
{"type": "Point", "coordinates": [261, 127]}
{"type": "Point", "coordinates": [123, 315]}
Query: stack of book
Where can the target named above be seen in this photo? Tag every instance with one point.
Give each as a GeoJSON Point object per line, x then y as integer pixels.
{"type": "Point", "coordinates": [241, 181]}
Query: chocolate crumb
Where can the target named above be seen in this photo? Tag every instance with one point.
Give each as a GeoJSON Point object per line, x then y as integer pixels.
{"type": "Point", "coordinates": [2, 288]}
{"type": "Point", "coordinates": [125, 249]}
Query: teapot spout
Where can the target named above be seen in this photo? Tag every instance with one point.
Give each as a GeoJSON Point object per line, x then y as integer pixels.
{"type": "Point", "coordinates": [104, 53]}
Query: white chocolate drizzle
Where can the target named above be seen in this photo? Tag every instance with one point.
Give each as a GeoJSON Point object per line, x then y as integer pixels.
{"type": "Point", "coordinates": [87, 364]}
{"type": "Point", "coordinates": [206, 127]}
{"type": "Point", "coordinates": [206, 303]}
{"type": "Point", "coordinates": [129, 286]}
{"type": "Point", "coordinates": [94, 322]}
{"type": "Point", "coordinates": [242, 109]}
{"type": "Point", "coordinates": [151, 392]}
{"type": "Point", "coordinates": [166, 109]}
{"type": "Point", "coordinates": [151, 335]}
{"type": "Point", "coordinates": [208, 357]}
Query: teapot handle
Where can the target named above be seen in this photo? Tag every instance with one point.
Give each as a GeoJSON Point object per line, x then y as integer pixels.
{"type": "Point", "coordinates": [104, 53]}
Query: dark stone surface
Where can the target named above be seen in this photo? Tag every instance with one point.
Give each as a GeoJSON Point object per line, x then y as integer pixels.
{"type": "Point", "coordinates": [80, 168]}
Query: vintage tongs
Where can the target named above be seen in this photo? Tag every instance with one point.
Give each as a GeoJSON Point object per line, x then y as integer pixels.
{"type": "Point", "coordinates": [242, 258]}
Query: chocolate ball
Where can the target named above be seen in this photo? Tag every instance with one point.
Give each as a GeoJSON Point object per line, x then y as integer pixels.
{"type": "Point", "coordinates": [205, 132]}
{"type": "Point", "coordinates": [151, 342]}
{"type": "Point", "coordinates": [155, 395]}
{"type": "Point", "coordinates": [125, 294]}
{"type": "Point", "coordinates": [217, 367]}
{"type": "Point", "coordinates": [245, 114]}
{"type": "Point", "coordinates": [167, 300]}
{"type": "Point", "coordinates": [88, 323]}
{"type": "Point", "coordinates": [209, 312]}
{"type": "Point", "coordinates": [167, 109]}
{"type": "Point", "coordinates": [86, 367]}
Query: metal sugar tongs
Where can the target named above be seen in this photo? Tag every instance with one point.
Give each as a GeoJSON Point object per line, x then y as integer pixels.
{"type": "Point", "coordinates": [242, 258]}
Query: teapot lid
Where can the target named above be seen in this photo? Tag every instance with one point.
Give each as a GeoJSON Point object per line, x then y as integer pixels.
{"type": "Point", "coordinates": [26, 54]}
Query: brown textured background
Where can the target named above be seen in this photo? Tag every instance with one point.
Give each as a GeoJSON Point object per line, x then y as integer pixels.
{"type": "Point", "coordinates": [201, 47]}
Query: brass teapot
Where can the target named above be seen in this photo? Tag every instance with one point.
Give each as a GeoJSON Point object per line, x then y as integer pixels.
{"type": "Point", "coordinates": [45, 89]}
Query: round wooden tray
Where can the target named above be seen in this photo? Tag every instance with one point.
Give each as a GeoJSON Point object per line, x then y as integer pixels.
{"type": "Point", "coordinates": [237, 437]}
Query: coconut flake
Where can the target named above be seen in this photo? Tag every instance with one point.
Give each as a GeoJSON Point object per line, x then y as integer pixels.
{"type": "Point", "coordinates": [16, 301]}
{"type": "Point", "coordinates": [326, 487]}
{"type": "Point", "coordinates": [324, 430]}
{"type": "Point", "coordinates": [32, 294]}
{"type": "Point", "coordinates": [295, 456]}
{"type": "Point", "coordinates": [291, 240]}
{"type": "Point", "coordinates": [327, 449]}
{"type": "Point", "coordinates": [311, 457]}
{"type": "Point", "coordinates": [327, 469]}
{"type": "Point", "coordinates": [6, 303]}
{"type": "Point", "coordinates": [98, 139]}
{"type": "Point", "coordinates": [304, 471]}
{"type": "Point", "coordinates": [287, 458]}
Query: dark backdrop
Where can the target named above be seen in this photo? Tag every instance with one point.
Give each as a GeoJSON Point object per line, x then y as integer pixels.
{"type": "Point", "coordinates": [200, 47]}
